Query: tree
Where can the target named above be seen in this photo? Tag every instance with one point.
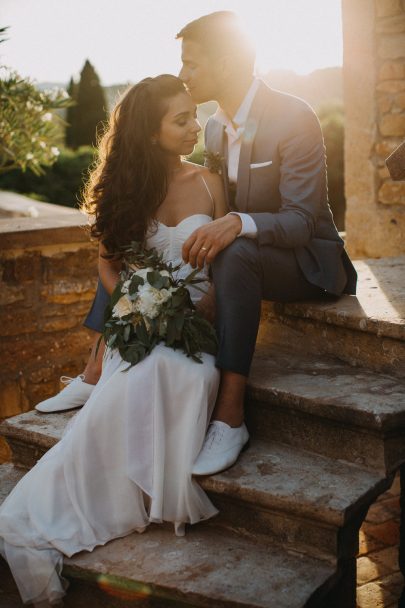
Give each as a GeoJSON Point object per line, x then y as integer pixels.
{"type": "Point", "coordinates": [90, 109]}
{"type": "Point", "coordinates": [29, 130]}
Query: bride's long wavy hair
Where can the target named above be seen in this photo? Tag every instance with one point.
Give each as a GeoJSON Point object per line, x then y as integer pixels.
{"type": "Point", "coordinates": [129, 181]}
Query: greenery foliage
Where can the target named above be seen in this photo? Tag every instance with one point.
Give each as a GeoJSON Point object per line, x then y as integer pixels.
{"type": "Point", "coordinates": [29, 127]}
{"type": "Point", "coordinates": [150, 304]}
{"type": "Point", "coordinates": [61, 184]}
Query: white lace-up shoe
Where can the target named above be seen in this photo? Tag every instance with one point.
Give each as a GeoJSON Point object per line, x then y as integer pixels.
{"type": "Point", "coordinates": [222, 446]}
{"type": "Point", "coordinates": [75, 394]}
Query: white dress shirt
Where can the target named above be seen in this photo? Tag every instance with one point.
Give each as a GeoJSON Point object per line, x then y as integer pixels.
{"type": "Point", "coordinates": [234, 130]}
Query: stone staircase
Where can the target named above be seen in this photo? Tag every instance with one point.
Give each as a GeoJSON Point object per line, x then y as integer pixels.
{"type": "Point", "coordinates": [326, 413]}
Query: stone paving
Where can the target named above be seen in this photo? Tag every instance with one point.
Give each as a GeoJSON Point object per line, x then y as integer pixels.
{"type": "Point", "coordinates": [379, 581]}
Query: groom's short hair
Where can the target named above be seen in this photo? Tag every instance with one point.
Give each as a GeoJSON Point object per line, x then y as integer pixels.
{"type": "Point", "coordinates": [221, 33]}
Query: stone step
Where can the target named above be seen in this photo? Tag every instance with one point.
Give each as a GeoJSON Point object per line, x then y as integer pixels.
{"type": "Point", "coordinates": [325, 405]}
{"type": "Point", "coordinates": [208, 567]}
{"type": "Point", "coordinates": [366, 330]}
{"type": "Point", "coordinates": [295, 497]}
{"type": "Point", "coordinates": [290, 495]}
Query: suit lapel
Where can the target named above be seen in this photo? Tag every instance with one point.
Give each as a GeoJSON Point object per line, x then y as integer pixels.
{"type": "Point", "coordinates": [248, 138]}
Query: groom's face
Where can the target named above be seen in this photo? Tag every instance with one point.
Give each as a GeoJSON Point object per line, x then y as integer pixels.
{"type": "Point", "coordinates": [198, 72]}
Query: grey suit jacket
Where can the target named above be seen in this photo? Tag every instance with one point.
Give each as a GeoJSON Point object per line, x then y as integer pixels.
{"type": "Point", "coordinates": [282, 184]}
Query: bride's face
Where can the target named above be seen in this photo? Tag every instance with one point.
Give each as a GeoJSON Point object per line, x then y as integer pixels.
{"type": "Point", "coordinates": [179, 127]}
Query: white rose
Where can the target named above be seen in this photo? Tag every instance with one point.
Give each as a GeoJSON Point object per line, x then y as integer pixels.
{"type": "Point", "coordinates": [123, 307]}
{"type": "Point", "coordinates": [162, 295]}
{"type": "Point", "coordinates": [146, 302]}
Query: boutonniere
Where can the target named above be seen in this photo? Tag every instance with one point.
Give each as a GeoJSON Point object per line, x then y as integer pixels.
{"type": "Point", "coordinates": [214, 161]}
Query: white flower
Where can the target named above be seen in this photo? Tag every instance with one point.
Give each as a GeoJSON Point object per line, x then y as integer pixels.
{"type": "Point", "coordinates": [55, 151]}
{"type": "Point", "coordinates": [29, 156]}
{"type": "Point", "coordinates": [146, 303]}
{"type": "Point", "coordinates": [125, 286]}
{"type": "Point", "coordinates": [41, 143]}
{"type": "Point", "coordinates": [38, 107]}
{"type": "Point", "coordinates": [162, 295]}
{"type": "Point", "coordinates": [47, 117]}
{"type": "Point", "coordinates": [29, 105]}
{"type": "Point", "coordinates": [123, 307]}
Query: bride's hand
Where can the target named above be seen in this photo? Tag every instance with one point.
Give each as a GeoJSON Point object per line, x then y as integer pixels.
{"type": "Point", "coordinates": [204, 244]}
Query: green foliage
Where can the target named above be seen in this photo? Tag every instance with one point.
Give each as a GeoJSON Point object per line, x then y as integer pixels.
{"type": "Point", "coordinates": [61, 184]}
{"type": "Point", "coordinates": [90, 110]}
{"type": "Point", "coordinates": [331, 117]}
{"type": "Point", "coordinates": [151, 305]}
{"type": "Point", "coordinates": [29, 128]}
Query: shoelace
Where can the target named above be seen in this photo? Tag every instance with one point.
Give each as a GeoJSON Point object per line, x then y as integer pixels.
{"type": "Point", "coordinates": [67, 379]}
{"type": "Point", "coordinates": [214, 436]}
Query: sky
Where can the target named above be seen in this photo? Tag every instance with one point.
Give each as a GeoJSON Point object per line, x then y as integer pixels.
{"type": "Point", "coordinates": [127, 40]}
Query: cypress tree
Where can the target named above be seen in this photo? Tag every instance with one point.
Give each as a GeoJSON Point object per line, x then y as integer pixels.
{"type": "Point", "coordinates": [90, 108]}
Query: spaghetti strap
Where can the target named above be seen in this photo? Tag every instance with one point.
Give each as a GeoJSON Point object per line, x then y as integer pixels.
{"type": "Point", "coordinates": [210, 195]}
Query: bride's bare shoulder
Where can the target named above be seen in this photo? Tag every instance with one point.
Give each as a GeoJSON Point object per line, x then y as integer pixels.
{"type": "Point", "coordinates": [198, 171]}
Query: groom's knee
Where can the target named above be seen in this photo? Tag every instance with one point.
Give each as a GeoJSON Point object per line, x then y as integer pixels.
{"type": "Point", "coordinates": [239, 257]}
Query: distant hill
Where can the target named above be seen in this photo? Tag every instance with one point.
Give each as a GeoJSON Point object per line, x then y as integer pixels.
{"type": "Point", "coordinates": [317, 88]}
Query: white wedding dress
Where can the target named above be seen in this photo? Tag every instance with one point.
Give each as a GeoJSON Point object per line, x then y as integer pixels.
{"type": "Point", "coordinates": [124, 461]}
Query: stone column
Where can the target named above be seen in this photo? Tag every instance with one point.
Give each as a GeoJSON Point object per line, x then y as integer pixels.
{"type": "Point", "coordinates": [374, 94]}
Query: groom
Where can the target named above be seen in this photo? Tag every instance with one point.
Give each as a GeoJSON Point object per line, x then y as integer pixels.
{"type": "Point", "coordinates": [279, 243]}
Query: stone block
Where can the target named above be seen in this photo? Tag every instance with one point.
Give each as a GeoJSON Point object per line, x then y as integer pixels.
{"type": "Point", "coordinates": [393, 124]}
{"type": "Point", "coordinates": [61, 324]}
{"type": "Point", "coordinates": [10, 294]}
{"type": "Point", "coordinates": [392, 70]}
{"type": "Point", "coordinates": [19, 322]}
{"type": "Point", "coordinates": [399, 101]}
{"type": "Point", "coordinates": [391, 25]}
{"type": "Point", "coordinates": [384, 104]}
{"type": "Point", "coordinates": [12, 401]}
{"type": "Point", "coordinates": [368, 570]}
{"type": "Point", "coordinates": [386, 147]}
{"type": "Point", "coordinates": [73, 266]}
{"type": "Point", "coordinates": [387, 8]}
{"type": "Point", "coordinates": [392, 193]}
{"type": "Point", "coordinates": [391, 46]}
{"type": "Point", "coordinates": [5, 452]}
{"type": "Point", "coordinates": [391, 86]}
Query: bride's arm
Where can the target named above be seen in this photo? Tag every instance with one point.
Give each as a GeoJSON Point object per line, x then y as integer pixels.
{"type": "Point", "coordinates": [206, 306]}
{"type": "Point", "coordinates": [108, 270]}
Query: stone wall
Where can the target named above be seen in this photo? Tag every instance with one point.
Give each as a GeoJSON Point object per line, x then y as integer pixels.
{"type": "Point", "coordinates": [374, 89]}
{"type": "Point", "coordinates": [48, 271]}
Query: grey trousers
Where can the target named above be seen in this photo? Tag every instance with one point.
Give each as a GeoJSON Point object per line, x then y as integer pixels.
{"type": "Point", "coordinates": [244, 275]}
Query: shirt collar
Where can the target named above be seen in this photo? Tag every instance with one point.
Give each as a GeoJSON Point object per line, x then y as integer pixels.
{"type": "Point", "coordinates": [242, 113]}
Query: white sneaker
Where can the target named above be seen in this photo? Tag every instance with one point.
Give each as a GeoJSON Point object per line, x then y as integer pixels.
{"type": "Point", "coordinates": [75, 394]}
{"type": "Point", "coordinates": [222, 446]}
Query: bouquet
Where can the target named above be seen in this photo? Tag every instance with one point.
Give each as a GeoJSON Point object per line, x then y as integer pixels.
{"type": "Point", "coordinates": [150, 305]}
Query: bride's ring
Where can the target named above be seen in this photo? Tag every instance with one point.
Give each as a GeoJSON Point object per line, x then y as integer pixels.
{"type": "Point", "coordinates": [204, 249]}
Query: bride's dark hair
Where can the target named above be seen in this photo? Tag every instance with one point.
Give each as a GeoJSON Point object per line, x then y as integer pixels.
{"type": "Point", "coordinates": [129, 181]}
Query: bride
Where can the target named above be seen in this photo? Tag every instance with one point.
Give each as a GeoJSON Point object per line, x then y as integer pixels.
{"type": "Point", "coordinates": [126, 458]}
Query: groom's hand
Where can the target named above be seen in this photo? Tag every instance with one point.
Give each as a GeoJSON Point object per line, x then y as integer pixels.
{"type": "Point", "coordinates": [204, 244]}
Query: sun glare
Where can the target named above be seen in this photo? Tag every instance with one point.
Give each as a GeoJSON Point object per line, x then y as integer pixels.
{"type": "Point", "coordinates": [137, 37]}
